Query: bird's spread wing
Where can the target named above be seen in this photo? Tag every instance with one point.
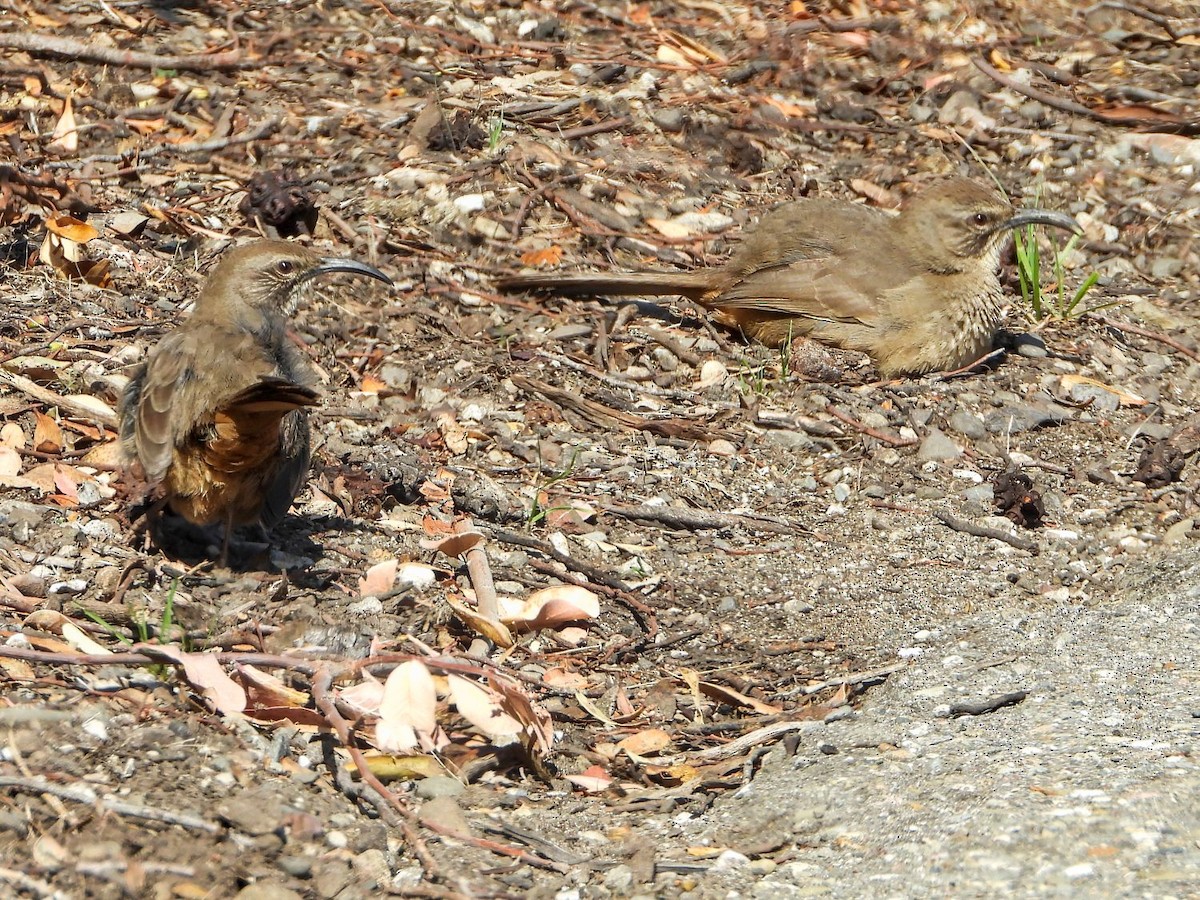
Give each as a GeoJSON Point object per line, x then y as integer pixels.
{"type": "Point", "coordinates": [246, 428]}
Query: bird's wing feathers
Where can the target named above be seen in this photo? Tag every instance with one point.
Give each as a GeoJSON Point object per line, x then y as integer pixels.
{"type": "Point", "coordinates": [176, 402]}
{"type": "Point", "coordinates": [159, 426]}
{"type": "Point", "coordinates": [809, 288]}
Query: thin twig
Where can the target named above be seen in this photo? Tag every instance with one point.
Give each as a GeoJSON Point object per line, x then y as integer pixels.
{"type": "Point", "coordinates": [868, 430]}
{"type": "Point", "coordinates": [79, 51]}
{"type": "Point", "coordinates": [78, 793]}
{"type": "Point", "coordinates": [702, 519]}
{"type": "Point", "coordinates": [1152, 335]}
{"type": "Point", "coordinates": [89, 408]}
{"type": "Point", "coordinates": [984, 532]}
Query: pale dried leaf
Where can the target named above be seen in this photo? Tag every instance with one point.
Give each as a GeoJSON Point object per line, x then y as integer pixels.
{"type": "Point", "coordinates": [550, 607]}
{"type": "Point", "coordinates": [481, 707]}
{"type": "Point", "coordinates": [453, 544]}
{"type": "Point", "coordinates": [203, 671]}
{"type": "Point", "coordinates": [65, 139]}
{"type": "Point", "coordinates": [47, 436]}
{"type": "Point", "coordinates": [379, 579]}
{"type": "Point", "coordinates": [12, 435]}
{"type": "Point", "coordinates": [494, 631]}
{"type": "Point", "coordinates": [408, 712]}
{"type": "Point", "coordinates": [649, 740]}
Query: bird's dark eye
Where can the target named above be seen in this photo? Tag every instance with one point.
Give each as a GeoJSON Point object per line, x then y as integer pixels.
{"type": "Point", "coordinates": [980, 218]}
{"type": "Point", "coordinates": [285, 267]}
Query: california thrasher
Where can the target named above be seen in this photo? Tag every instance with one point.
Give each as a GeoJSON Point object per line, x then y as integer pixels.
{"type": "Point", "coordinates": [217, 415]}
{"type": "Point", "coordinates": [917, 292]}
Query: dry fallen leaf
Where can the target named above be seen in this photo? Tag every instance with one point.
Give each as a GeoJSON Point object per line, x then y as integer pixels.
{"type": "Point", "coordinates": [379, 579]}
{"type": "Point", "coordinates": [47, 436]}
{"type": "Point", "coordinates": [494, 631]}
{"type": "Point", "coordinates": [649, 740]}
{"type": "Point", "coordinates": [481, 707]}
{"type": "Point", "coordinates": [71, 229]}
{"type": "Point", "coordinates": [547, 256]}
{"type": "Point", "coordinates": [65, 139]}
{"type": "Point", "coordinates": [550, 607]}
{"type": "Point", "coordinates": [203, 671]}
{"type": "Point", "coordinates": [455, 544]}
{"type": "Point", "coordinates": [408, 711]}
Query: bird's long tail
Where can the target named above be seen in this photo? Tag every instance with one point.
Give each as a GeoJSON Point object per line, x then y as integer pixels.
{"type": "Point", "coordinates": [693, 285]}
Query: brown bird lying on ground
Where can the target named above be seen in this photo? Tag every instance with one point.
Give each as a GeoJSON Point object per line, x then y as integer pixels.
{"type": "Point", "coordinates": [918, 292]}
{"type": "Point", "coordinates": [217, 415]}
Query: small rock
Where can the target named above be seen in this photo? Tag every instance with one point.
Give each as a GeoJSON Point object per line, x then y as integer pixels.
{"type": "Point", "coordinates": [722, 447]}
{"type": "Point", "coordinates": [251, 813]}
{"type": "Point", "coordinates": [1098, 398]}
{"type": "Point", "coordinates": [619, 880]}
{"type": "Point", "coordinates": [967, 424]}
{"type": "Point", "coordinates": [438, 786]}
{"type": "Point", "coordinates": [267, 890]}
{"type": "Point", "coordinates": [789, 440]}
{"type": "Point", "coordinates": [670, 119]}
{"type": "Point", "coordinates": [1017, 417]}
{"type": "Point", "coordinates": [446, 815]}
{"type": "Point", "coordinates": [937, 446]}
{"type": "Point", "coordinates": [1178, 531]}
{"type": "Point", "coordinates": [296, 866]}
{"type": "Point", "coordinates": [371, 867]}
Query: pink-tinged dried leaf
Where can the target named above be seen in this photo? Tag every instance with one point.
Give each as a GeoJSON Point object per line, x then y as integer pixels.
{"type": "Point", "coordinates": [728, 695]}
{"type": "Point", "coordinates": [49, 620]}
{"type": "Point", "coordinates": [266, 690]}
{"type": "Point", "coordinates": [550, 607]}
{"type": "Point", "coordinates": [364, 697]}
{"type": "Point", "coordinates": [65, 139]}
{"type": "Point", "coordinates": [66, 480]}
{"type": "Point", "coordinates": [560, 678]}
{"type": "Point", "coordinates": [539, 728]}
{"type": "Point", "coordinates": [482, 708]}
{"type": "Point", "coordinates": [496, 632]}
{"type": "Point", "coordinates": [203, 671]}
{"type": "Point", "coordinates": [650, 740]}
{"type": "Point", "coordinates": [408, 713]}
{"type": "Point", "coordinates": [10, 462]}
{"type": "Point", "coordinates": [572, 636]}
{"type": "Point", "coordinates": [47, 436]}
{"type": "Point", "coordinates": [453, 544]}
{"type": "Point", "coordinates": [592, 780]}
{"type": "Point", "coordinates": [379, 579]}
{"type": "Point", "coordinates": [12, 435]}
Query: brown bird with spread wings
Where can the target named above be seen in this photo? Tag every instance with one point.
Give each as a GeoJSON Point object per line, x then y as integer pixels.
{"type": "Point", "coordinates": [917, 292]}
{"type": "Point", "coordinates": [218, 414]}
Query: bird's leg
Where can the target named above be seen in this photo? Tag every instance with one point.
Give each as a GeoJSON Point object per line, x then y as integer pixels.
{"type": "Point", "coordinates": [149, 522]}
{"type": "Point", "coordinates": [223, 559]}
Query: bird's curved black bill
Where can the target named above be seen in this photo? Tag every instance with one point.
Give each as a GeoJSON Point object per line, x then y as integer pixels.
{"type": "Point", "coordinates": [1041, 217]}
{"type": "Point", "coordinates": [332, 264]}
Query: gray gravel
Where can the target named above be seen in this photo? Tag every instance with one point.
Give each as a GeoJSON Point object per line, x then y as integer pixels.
{"type": "Point", "coordinates": [1088, 788]}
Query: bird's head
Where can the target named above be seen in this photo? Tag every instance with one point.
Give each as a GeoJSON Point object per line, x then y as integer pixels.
{"type": "Point", "coordinates": [266, 279]}
{"type": "Point", "coordinates": [951, 225]}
